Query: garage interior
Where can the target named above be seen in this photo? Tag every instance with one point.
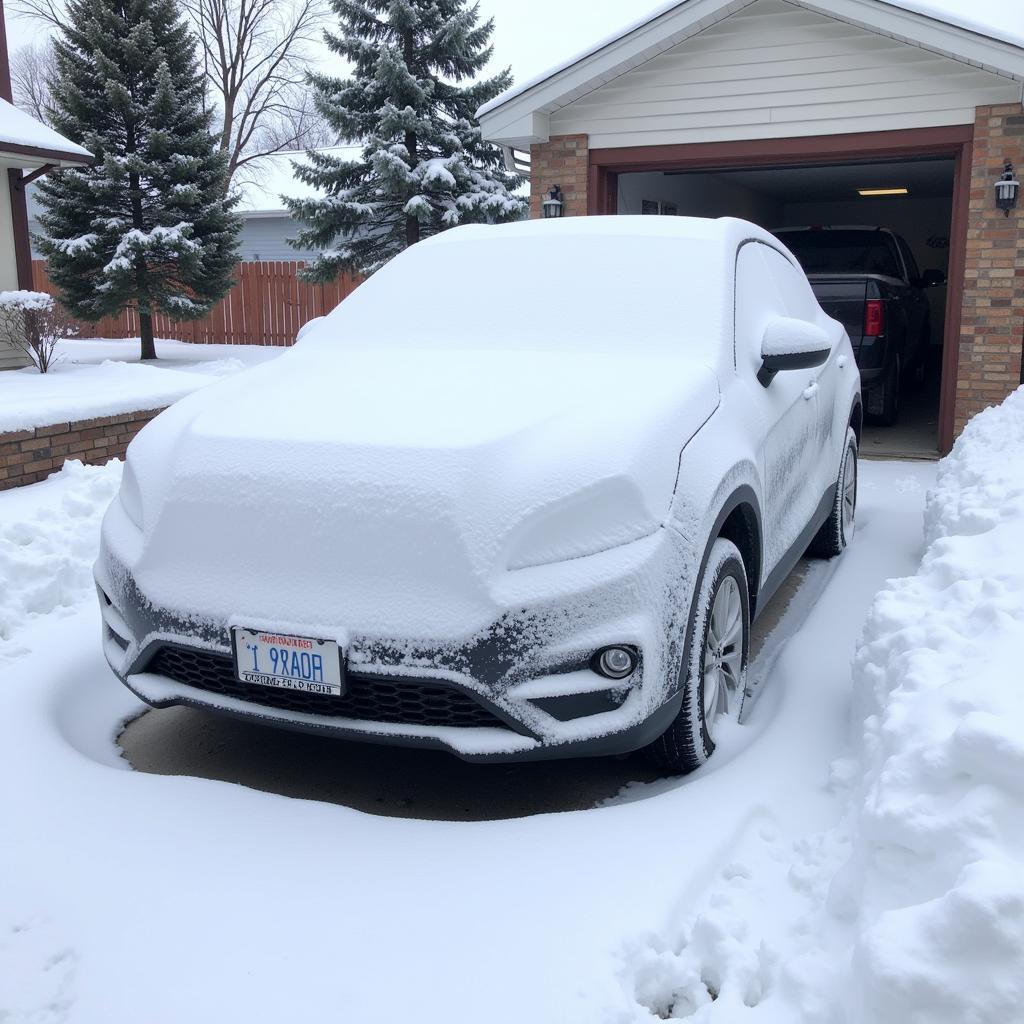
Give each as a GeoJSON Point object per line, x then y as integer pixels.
{"type": "Point", "coordinates": [829, 194]}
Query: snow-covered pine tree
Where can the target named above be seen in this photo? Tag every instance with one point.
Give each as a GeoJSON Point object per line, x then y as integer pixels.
{"type": "Point", "coordinates": [424, 166]}
{"type": "Point", "coordinates": [147, 225]}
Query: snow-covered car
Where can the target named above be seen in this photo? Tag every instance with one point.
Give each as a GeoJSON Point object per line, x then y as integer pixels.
{"type": "Point", "coordinates": [519, 496]}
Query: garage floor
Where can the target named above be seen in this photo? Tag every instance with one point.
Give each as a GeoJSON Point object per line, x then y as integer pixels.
{"type": "Point", "coordinates": [914, 435]}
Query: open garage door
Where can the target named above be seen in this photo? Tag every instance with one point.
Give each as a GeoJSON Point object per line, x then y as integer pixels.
{"type": "Point", "coordinates": [874, 240]}
{"type": "Point", "coordinates": [882, 234]}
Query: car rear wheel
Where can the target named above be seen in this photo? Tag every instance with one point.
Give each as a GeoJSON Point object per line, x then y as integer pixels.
{"type": "Point", "coordinates": [837, 530]}
{"type": "Point", "coordinates": [719, 636]}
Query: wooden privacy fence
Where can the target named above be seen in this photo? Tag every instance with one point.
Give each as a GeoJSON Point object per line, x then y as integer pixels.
{"type": "Point", "coordinates": [266, 306]}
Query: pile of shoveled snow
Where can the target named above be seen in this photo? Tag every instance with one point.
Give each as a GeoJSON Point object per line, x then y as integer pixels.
{"type": "Point", "coordinates": [936, 876]}
{"type": "Point", "coordinates": [46, 557]}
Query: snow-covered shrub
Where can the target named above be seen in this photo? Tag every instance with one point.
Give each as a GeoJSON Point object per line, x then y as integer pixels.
{"type": "Point", "coordinates": [34, 323]}
{"type": "Point", "coordinates": [937, 873]}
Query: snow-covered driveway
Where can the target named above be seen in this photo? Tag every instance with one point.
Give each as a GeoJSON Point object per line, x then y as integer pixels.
{"type": "Point", "coordinates": [127, 896]}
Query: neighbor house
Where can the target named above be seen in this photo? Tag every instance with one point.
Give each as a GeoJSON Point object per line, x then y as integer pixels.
{"type": "Point", "coordinates": [28, 149]}
{"type": "Point", "coordinates": [785, 112]}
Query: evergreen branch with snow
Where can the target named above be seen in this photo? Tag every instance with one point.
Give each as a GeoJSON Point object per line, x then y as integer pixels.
{"type": "Point", "coordinates": [410, 101]}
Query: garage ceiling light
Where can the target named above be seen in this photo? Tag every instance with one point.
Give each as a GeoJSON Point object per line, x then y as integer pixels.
{"type": "Point", "coordinates": [883, 191]}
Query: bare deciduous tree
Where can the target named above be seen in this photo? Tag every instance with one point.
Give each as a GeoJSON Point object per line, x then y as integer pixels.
{"type": "Point", "coordinates": [31, 70]}
{"type": "Point", "coordinates": [297, 125]}
{"type": "Point", "coordinates": [255, 55]}
{"type": "Point", "coordinates": [49, 11]}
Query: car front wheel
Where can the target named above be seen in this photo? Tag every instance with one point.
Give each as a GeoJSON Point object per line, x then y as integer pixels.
{"type": "Point", "coordinates": [719, 634]}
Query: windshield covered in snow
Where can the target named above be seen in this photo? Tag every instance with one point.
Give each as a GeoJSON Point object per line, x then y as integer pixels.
{"type": "Point", "coordinates": [494, 289]}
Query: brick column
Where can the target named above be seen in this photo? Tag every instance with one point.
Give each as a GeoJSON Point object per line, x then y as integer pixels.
{"type": "Point", "coordinates": [992, 324]}
{"type": "Point", "coordinates": [564, 161]}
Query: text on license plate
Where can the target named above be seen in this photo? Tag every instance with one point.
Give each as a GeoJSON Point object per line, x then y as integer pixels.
{"type": "Point", "coordinates": [288, 662]}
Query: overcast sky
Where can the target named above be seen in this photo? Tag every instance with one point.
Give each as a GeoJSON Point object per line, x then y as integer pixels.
{"type": "Point", "coordinates": [533, 35]}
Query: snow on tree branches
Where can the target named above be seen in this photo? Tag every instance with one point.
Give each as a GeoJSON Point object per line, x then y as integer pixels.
{"type": "Point", "coordinates": [425, 166]}
{"type": "Point", "coordinates": [148, 224]}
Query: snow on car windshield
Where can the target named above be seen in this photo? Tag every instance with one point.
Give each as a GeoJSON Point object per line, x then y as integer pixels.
{"type": "Point", "coordinates": [542, 286]}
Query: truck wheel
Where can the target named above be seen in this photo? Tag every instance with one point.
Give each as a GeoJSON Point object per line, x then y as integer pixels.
{"type": "Point", "coordinates": [890, 390]}
{"type": "Point", "coordinates": [716, 674]}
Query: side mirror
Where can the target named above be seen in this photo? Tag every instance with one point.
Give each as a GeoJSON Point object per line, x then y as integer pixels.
{"type": "Point", "coordinates": [791, 344]}
{"type": "Point", "coordinates": [931, 278]}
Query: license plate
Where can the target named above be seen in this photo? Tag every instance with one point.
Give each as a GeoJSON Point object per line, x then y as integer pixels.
{"type": "Point", "coordinates": [288, 662]}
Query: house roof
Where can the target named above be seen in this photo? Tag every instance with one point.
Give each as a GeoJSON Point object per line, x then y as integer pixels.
{"type": "Point", "coordinates": [990, 37]}
{"type": "Point", "coordinates": [28, 142]}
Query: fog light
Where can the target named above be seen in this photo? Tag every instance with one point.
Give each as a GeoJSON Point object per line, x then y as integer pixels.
{"type": "Point", "coordinates": [615, 662]}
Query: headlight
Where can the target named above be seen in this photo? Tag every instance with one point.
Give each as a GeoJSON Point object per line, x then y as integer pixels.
{"type": "Point", "coordinates": [130, 496]}
{"type": "Point", "coordinates": [604, 515]}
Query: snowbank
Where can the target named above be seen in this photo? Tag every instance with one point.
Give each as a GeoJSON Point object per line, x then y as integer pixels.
{"type": "Point", "coordinates": [47, 543]}
{"type": "Point", "coordinates": [936, 877]}
{"type": "Point", "coordinates": [87, 382]}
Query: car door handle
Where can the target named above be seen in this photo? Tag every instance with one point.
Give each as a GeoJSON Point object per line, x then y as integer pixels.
{"type": "Point", "coordinates": [841, 362]}
{"type": "Point", "coordinates": [811, 390]}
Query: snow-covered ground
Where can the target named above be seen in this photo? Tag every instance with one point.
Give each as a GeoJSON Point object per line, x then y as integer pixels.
{"type": "Point", "coordinates": [97, 377]}
{"type": "Point", "coordinates": [854, 854]}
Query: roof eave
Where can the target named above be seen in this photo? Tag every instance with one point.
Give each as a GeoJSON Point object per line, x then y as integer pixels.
{"type": "Point", "coordinates": [34, 155]}
{"type": "Point", "coordinates": [523, 118]}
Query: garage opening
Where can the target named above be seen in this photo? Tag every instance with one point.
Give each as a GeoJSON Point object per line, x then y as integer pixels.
{"type": "Point", "coordinates": [887, 283]}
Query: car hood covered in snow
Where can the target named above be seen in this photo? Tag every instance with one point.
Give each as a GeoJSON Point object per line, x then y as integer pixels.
{"type": "Point", "coordinates": [494, 400]}
{"type": "Point", "coordinates": [393, 483]}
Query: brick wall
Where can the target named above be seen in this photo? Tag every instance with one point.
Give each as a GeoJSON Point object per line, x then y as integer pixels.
{"type": "Point", "coordinates": [992, 324]}
{"type": "Point", "coordinates": [30, 455]}
{"type": "Point", "coordinates": [563, 161]}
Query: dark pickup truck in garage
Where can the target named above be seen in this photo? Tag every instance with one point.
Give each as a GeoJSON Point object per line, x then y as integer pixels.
{"type": "Point", "coordinates": [868, 280]}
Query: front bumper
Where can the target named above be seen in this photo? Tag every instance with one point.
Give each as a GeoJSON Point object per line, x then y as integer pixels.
{"type": "Point", "coordinates": [519, 690]}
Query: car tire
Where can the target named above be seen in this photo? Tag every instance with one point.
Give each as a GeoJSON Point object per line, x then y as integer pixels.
{"type": "Point", "coordinates": [719, 634]}
{"type": "Point", "coordinates": [890, 388]}
{"type": "Point", "coordinates": [837, 531]}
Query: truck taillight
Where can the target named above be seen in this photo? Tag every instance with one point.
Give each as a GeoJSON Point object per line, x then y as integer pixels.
{"type": "Point", "coordinates": [874, 318]}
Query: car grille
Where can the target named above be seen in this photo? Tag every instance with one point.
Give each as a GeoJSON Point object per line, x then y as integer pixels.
{"type": "Point", "coordinates": [367, 698]}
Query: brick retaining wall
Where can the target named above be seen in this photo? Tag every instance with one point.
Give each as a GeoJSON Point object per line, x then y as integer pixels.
{"type": "Point", "coordinates": [27, 456]}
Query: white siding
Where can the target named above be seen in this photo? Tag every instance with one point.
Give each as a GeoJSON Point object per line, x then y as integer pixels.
{"type": "Point", "coordinates": [9, 358]}
{"type": "Point", "coordinates": [266, 238]}
{"type": "Point", "coordinates": [777, 70]}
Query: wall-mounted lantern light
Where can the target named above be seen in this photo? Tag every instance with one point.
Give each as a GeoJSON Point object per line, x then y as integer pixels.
{"type": "Point", "coordinates": [553, 205]}
{"type": "Point", "coordinates": [1007, 190]}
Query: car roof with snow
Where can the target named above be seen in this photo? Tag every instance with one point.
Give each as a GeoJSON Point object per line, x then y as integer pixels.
{"type": "Point", "coordinates": [654, 285]}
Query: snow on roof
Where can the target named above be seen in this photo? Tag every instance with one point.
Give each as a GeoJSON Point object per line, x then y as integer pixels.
{"type": "Point", "coordinates": [995, 19]}
{"type": "Point", "coordinates": [265, 180]}
{"type": "Point", "coordinates": [20, 129]}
